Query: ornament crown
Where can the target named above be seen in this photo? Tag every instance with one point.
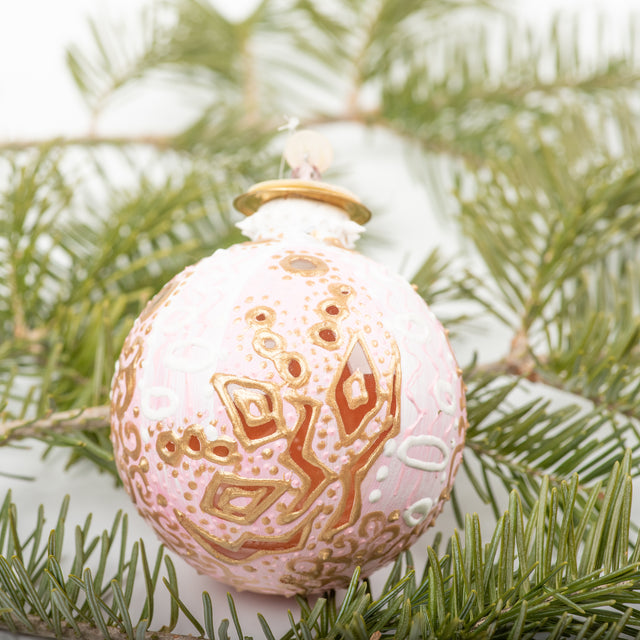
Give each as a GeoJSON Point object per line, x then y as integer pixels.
{"type": "Point", "coordinates": [248, 203]}
{"type": "Point", "coordinates": [308, 154]}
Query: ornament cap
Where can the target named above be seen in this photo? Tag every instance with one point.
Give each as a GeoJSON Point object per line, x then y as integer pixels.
{"type": "Point", "coordinates": [262, 192]}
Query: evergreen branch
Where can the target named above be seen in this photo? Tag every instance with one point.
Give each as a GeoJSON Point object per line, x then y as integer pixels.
{"type": "Point", "coordinates": [548, 568]}
{"type": "Point", "coordinates": [553, 213]}
{"type": "Point", "coordinates": [538, 235]}
{"type": "Point", "coordinates": [77, 307]}
{"type": "Point", "coordinates": [517, 445]}
{"type": "Point", "coordinates": [538, 371]}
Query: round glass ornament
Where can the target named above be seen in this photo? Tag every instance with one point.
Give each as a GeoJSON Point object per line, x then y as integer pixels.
{"type": "Point", "coordinates": [287, 409]}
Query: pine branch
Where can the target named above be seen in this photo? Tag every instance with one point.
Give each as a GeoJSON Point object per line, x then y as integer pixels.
{"type": "Point", "coordinates": [547, 568]}
{"type": "Point", "coordinates": [547, 195]}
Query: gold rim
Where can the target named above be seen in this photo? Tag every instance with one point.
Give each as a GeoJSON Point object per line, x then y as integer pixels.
{"type": "Point", "coordinates": [248, 203]}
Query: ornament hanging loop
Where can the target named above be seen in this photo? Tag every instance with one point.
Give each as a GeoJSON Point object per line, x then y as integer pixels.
{"type": "Point", "coordinates": [309, 154]}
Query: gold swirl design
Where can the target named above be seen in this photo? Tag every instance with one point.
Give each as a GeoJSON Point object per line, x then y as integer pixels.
{"type": "Point", "coordinates": [326, 334]}
{"type": "Point", "coordinates": [248, 546]}
{"type": "Point", "coordinates": [142, 490]}
{"type": "Point", "coordinates": [124, 385]}
{"type": "Point", "coordinates": [291, 365]}
{"type": "Point", "coordinates": [195, 445]}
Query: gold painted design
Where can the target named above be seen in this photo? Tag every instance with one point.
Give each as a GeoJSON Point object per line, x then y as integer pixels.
{"type": "Point", "coordinates": [125, 382]}
{"type": "Point", "coordinates": [168, 530]}
{"type": "Point", "coordinates": [254, 408]}
{"type": "Point", "coordinates": [262, 192]}
{"type": "Point", "coordinates": [167, 446]}
{"type": "Point", "coordinates": [353, 424]}
{"type": "Point", "coordinates": [130, 431]}
{"type": "Point", "coordinates": [354, 390]}
{"type": "Point", "coordinates": [378, 543]}
{"type": "Point", "coordinates": [311, 573]}
{"type": "Point", "coordinates": [162, 297]}
{"type": "Point", "coordinates": [140, 490]}
{"type": "Point", "coordinates": [267, 343]}
{"type": "Point", "coordinates": [248, 546]}
{"type": "Point", "coordinates": [353, 413]}
{"type": "Point", "coordinates": [341, 289]}
{"type": "Point", "coordinates": [452, 467]}
{"type": "Point", "coordinates": [365, 402]}
{"type": "Point", "coordinates": [240, 500]}
{"type": "Point", "coordinates": [302, 460]}
{"type": "Point", "coordinates": [122, 393]}
{"type": "Point", "coordinates": [195, 445]}
{"type": "Point", "coordinates": [261, 317]}
{"type": "Point", "coordinates": [291, 365]}
{"type": "Point", "coordinates": [306, 265]}
{"type": "Point", "coordinates": [326, 334]}
{"type": "Point", "coordinates": [375, 527]}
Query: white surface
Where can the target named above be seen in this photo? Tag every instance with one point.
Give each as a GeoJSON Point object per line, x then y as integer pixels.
{"type": "Point", "coordinates": [301, 218]}
{"type": "Point", "coordinates": [38, 99]}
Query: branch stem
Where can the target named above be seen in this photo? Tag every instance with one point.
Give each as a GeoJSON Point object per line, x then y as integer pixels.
{"type": "Point", "coordinates": [160, 142]}
{"type": "Point", "coordinates": [87, 631]}
{"type": "Point", "coordinates": [90, 419]}
{"type": "Point", "coordinates": [365, 118]}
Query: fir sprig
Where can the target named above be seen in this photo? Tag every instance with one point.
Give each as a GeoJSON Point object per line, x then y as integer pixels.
{"type": "Point", "coordinates": [547, 568]}
{"type": "Point", "coordinates": [541, 151]}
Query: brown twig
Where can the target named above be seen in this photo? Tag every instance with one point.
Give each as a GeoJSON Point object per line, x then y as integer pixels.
{"type": "Point", "coordinates": [158, 141]}
{"type": "Point", "coordinates": [91, 418]}
{"type": "Point", "coordinates": [87, 631]}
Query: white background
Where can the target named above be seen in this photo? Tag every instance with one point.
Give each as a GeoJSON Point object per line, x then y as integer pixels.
{"type": "Point", "coordinates": [38, 100]}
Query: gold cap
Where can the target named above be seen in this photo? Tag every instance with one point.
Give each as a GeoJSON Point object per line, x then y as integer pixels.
{"type": "Point", "coordinates": [248, 203]}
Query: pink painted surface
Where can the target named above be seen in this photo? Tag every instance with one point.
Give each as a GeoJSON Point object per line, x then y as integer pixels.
{"type": "Point", "coordinates": [251, 351]}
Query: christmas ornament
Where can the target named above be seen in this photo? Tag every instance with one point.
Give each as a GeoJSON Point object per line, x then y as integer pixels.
{"type": "Point", "coordinates": [287, 409]}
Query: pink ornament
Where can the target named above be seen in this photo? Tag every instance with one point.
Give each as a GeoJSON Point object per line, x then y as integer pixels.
{"type": "Point", "coordinates": [287, 409]}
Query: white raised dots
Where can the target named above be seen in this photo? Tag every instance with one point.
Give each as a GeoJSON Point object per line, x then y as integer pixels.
{"type": "Point", "coordinates": [417, 512]}
{"type": "Point", "coordinates": [375, 495]}
{"type": "Point", "coordinates": [389, 448]}
{"type": "Point", "coordinates": [210, 432]}
{"type": "Point", "coordinates": [383, 474]}
{"type": "Point", "coordinates": [162, 411]}
{"type": "Point", "coordinates": [428, 441]}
